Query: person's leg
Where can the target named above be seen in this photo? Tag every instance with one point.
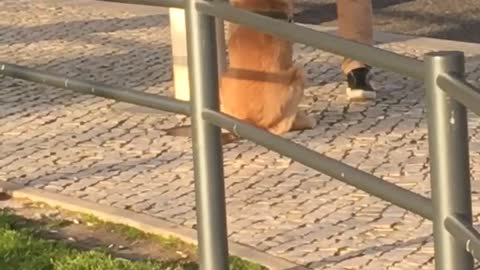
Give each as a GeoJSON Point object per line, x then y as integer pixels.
{"type": "Point", "coordinates": [355, 22]}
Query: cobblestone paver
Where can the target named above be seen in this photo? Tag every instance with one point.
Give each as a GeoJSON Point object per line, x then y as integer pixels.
{"type": "Point", "coordinates": [86, 147]}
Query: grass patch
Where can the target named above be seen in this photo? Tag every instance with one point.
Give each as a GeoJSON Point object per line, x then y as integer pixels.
{"type": "Point", "coordinates": [236, 263]}
{"type": "Point", "coordinates": [135, 234]}
{"type": "Point", "coordinates": [22, 247]}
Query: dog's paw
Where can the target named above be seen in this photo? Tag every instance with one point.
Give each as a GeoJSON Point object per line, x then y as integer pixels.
{"type": "Point", "coordinates": [302, 121]}
{"type": "Point", "coordinates": [310, 122]}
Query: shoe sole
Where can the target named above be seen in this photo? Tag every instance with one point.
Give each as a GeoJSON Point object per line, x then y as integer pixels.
{"type": "Point", "coordinates": [360, 95]}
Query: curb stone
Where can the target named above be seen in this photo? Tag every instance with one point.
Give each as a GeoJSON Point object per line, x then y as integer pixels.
{"type": "Point", "coordinates": [142, 222]}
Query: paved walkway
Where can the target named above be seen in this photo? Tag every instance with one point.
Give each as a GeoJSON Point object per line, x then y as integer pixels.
{"type": "Point", "coordinates": [98, 150]}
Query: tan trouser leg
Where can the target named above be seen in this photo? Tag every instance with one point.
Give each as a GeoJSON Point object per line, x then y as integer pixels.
{"type": "Point", "coordinates": [355, 22]}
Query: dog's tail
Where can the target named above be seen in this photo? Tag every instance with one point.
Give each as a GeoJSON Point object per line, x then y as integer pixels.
{"type": "Point", "coordinates": [186, 131]}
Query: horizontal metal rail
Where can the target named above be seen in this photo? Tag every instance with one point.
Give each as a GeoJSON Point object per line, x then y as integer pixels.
{"type": "Point", "coordinates": [465, 234]}
{"type": "Point", "coordinates": [336, 169]}
{"type": "Point", "coordinates": [460, 90]}
{"type": "Point", "coordinates": [330, 43]}
{"type": "Point", "coordinates": [87, 87]}
{"type": "Point", "coordinates": [158, 3]}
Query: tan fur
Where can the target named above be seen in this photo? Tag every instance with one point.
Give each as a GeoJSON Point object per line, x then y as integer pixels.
{"type": "Point", "coordinates": [261, 85]}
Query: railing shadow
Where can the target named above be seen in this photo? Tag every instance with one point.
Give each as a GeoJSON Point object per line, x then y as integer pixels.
{"type": "Point", "coordinates": [369, 251]}
{"type": "Point", "coordinates": [317, 13]}
{"type": "Point", "coordinates": [452, 26]}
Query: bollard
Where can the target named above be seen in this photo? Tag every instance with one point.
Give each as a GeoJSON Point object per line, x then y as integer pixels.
{"type": "Point", "coordinates": [181, 86]}
{"type": "Point", "coordinates": [449, 160]}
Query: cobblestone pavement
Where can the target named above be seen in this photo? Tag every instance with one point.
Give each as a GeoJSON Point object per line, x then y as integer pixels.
{"type": "Point", "coordinates": [86, 147]}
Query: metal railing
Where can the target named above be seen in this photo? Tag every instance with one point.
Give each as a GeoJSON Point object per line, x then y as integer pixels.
{"type": "Point", "coordinates": [456, 242]}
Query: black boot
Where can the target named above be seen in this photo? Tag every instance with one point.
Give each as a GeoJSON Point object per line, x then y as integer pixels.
{"type": "Point", "coordinates": [359, 87]}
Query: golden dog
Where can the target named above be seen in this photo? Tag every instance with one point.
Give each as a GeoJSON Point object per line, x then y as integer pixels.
{"type": "Point", "coordinates": [261, 85]}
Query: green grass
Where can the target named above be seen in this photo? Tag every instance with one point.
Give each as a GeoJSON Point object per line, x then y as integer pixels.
{"type": "Point", "coordinates": [23, 249]}
{"type": "Point", "coordinates": [236, 263]}
{"type": "Point", "coordinates": [134, 234]}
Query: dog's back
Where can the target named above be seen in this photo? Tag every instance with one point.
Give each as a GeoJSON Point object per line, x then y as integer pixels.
{"type": "Point", "coordinates": [254, 50]}
{"type": "Point", "coordinates": [261, 85]}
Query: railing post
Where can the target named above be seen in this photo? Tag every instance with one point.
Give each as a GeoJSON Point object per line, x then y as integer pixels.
{"type": "Point", "coordinates": [449, 160]}
{"type": "Point", "coordinates": [207, 148]}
